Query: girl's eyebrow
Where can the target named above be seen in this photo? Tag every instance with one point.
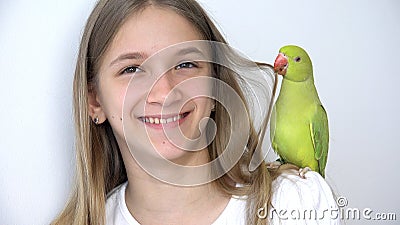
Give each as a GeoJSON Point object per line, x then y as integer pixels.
{"type": "Point", "coordinates": [142, 56]}
{"type": "Point", "coordinates": [189, 50]}
{"type": "Point", "coordinates": [129, 55]}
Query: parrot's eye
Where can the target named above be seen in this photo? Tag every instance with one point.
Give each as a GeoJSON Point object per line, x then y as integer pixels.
{"type": "Point", "coordinates": [297, 59]}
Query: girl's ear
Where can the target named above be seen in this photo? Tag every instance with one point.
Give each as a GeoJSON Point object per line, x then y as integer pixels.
{"type": "Point", "coordinates": [95, 109]}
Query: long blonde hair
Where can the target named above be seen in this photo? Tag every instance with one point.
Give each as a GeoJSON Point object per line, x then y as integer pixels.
{"type": "Point", "coordinates": [99, 165]}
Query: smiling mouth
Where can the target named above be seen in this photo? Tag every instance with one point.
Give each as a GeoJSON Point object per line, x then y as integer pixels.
{"type": "Point", "coordinates": [163, 120]}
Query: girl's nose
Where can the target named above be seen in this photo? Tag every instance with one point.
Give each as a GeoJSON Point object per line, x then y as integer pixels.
{"type": "Point", "coordinates": [163, 92]}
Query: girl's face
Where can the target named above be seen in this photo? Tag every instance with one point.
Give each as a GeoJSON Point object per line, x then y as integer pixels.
{"type": "Point", "coordinates": [144, 96]}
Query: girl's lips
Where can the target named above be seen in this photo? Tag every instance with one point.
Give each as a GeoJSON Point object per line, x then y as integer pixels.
{"type": "Point", "coordinates": [158, 122]}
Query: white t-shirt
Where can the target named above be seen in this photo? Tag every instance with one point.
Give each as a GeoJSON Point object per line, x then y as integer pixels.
{"type": "Point", "coordinates": [294, 200]}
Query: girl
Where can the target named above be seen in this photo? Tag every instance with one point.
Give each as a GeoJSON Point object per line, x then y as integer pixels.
{"type": "Point", "coordinates": [124, 112]}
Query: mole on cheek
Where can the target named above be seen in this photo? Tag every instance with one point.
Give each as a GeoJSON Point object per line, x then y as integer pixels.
{"type": "Point", "coordinates": [114, 117]}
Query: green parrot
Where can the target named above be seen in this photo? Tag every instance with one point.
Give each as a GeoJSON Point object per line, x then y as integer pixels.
{"type": "Point", "coordinates": [299, 123]}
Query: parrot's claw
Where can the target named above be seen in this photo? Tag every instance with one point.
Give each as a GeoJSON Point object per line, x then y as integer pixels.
{"type": "Point", "coordinates": [303, 171]}
{"type": "Point", "coordinates": [274, 165]}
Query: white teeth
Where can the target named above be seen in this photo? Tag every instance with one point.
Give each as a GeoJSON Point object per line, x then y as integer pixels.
{"type": "Point", "coordinates": [162, 121]}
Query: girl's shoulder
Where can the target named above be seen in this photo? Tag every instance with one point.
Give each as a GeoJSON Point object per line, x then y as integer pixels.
{"type": "Point", "coordinates": [303, 201]}
{"type": "Point", "coordinates": [291, 182]}
{"type": "Point", "coordinates": [116, 211]}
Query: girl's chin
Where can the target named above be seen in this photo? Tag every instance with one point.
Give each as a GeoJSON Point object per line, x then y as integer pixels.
{"type": "Point", "coordinates": [174, 154]}
{"type": "Point", "coordinates": [167, 149]}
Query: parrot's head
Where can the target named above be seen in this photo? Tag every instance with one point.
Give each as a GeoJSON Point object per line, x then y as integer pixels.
{"type": "Point", "coordinates": [293, 63]}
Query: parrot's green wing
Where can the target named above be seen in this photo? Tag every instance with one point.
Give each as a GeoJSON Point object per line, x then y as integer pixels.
{"type": "Point", "coordinates": [320, 137]}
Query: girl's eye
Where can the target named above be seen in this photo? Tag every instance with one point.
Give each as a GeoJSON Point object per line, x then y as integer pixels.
{"type": "Point", "coordinates": [131, 69]}
{"type": "Point", "coordinates": [186, 65]}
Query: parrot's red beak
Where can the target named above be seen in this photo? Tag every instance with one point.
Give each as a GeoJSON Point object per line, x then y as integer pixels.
{"type": "Point", "coordinates": [281, 64]}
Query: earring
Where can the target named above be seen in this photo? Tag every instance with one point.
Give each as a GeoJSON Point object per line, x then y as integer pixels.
{"type": "Point", "coordinates": [96, 120]}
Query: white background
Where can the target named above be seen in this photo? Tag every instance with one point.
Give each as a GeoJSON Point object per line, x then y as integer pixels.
{"type": "Point", "coordinates": [354, 46]}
